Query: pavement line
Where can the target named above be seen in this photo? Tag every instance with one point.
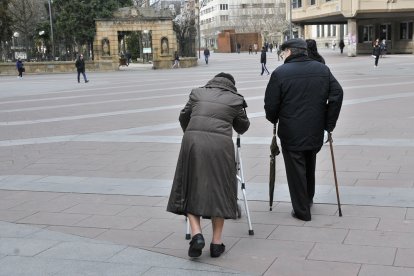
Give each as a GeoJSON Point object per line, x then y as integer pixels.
{"type": "Point", "coordinates": [355, 195]}
{"type": "Point", "coordinates": [113, 137]}
{"type": "Point", "coordinates": [133, 111]}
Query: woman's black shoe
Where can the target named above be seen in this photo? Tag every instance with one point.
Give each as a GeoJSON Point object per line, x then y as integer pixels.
{"type": "Point", "coordinates": [216, 250]}
{"type": "Point", "coordinates": [196, 246]}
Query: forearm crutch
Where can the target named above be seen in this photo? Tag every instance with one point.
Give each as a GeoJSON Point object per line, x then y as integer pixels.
{"type": "Point", "coordinates": [334, 171]}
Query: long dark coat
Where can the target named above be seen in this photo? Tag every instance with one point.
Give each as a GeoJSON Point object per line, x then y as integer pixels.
{"type": "Point", "coordinates": [205, 181]}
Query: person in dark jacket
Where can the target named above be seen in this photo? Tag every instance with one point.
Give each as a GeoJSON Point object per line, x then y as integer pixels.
{"type": "Point", "coordinates": [313, 51]}
{"type": "Point", "coordinates": [20, 68]}
{"type": "Point", "coordinates": [263, 61]}
{"type": "Point", "coordinates": [341, 46]}
{"type": "Point", "coordinates": [376, 51]}
{"type": "Point", "coordinates": [305, 99]}
{"type": "Point", "coordinates": [206, 54]}
{"type": "Point", "coordinates": [205, 181]}
{"type": "Point", "coordinates": [80, 66]}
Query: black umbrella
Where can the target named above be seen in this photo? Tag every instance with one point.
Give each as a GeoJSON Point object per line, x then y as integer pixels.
{"type": "Point", "coordinates": [274, 150]}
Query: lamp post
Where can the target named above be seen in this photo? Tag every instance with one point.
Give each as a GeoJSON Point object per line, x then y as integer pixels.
{"type": "Point", "coordinates": [290, 20]}
{"type": "Point", "coordinates": [200, 5]}
{"type": "Point", "coordinates": [51, 28]}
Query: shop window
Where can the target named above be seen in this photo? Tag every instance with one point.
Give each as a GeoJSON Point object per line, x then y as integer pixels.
{"type": "Point", "coordinates": [366, 33]}
{"type": "Point", "coordinates": [406, 30]}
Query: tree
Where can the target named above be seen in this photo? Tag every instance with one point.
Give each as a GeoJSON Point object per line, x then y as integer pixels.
{"type": "Point", "coordinates": [184, 27]}
{"type": "Point", "coordinates": [26, 15]}
{"type": "Point", "coordinates": [75, 19]}
{"type": "Point", "coordinates": [6, 21]}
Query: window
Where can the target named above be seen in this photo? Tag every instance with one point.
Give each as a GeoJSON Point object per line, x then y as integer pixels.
{"type": "Point", "coordinates": [224, 18]}
{"type": "Point", "coordinates": [243, 6]}
{"type": "Point", "coordinates": [366, 33]}
{"type": "Point", "coordinates": [312, 2]}
{"type": "Point", "coordinates": [333, 30]}
{"type": "Point", "coordinates": [296, 4]}
{"type": "Point", "coordinates": [318, 31]}
{"type": "Point", "coordinates": [329, 30]}
{"type": "Point", "coordinates": [385, 31]}
{"type": "Point", "coordinates": [406, 30]}
{"type": "Point", "coordinates": [269, 5]}
{"type": "Point", "coordinates": [224, 7]}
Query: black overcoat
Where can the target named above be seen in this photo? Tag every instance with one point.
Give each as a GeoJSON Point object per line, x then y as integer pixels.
{"type": "Point", "coordinates": [205, 181]}
{"type": "Point", "coordinates": [305, 99]}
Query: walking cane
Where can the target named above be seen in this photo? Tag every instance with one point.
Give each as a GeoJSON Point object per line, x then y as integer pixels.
{"type": "Point", "coordinates": [334, 171]}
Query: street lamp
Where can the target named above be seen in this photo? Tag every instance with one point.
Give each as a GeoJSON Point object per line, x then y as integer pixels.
{"type": "Point", "coordinates": [51, 28]}
{"type": "Point", "coordinates": [200, 5]}
{"type": "Point", "coordinates": [290, 20]}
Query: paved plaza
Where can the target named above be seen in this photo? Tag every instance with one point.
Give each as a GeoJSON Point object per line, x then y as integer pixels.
{"type": "Point", "coordinates": [86, 170]}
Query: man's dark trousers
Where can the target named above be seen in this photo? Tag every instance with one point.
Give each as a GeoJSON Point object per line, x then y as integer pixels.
{"type": "Point", "coordinates": [300, 173]}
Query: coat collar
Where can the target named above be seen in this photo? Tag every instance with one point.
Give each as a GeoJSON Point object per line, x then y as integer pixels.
{"type": "Point", "coordinates": [220, 82]}
{"type": "Point", "coordinates": [297, 58]}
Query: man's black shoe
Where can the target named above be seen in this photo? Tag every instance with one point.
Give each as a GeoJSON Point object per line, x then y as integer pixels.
{"type": "Point", "coordinates": [293, 214]}
{"type": "Point", "coordinates": [196, 246]}
{"type": "Point", "coordinates": [216, 250]}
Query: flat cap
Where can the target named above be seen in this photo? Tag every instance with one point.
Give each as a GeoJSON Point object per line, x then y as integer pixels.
{"type": "Point", "coordinates": [294, 43]}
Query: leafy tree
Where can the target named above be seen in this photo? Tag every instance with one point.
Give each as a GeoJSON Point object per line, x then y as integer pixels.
{"type": "Point", "coordinates": [75, 19]}
{"type": "Point", "coordinates": [6, 21]}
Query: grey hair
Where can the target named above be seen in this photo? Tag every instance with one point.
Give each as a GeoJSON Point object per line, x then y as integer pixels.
{"type": "Point", "coordinates": [297, 51]}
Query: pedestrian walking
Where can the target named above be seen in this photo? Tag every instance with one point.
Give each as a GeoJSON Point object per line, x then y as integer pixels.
{"type": "Point", "coordinates": [312, 49]}
{"type": "Point", "coordinates": [20, 68]}
{"type": "Point", "coordinates": [255, 48]}
{"type": "Point", "coordinates": [205, 183]}
{"type": "Point", "coordinates": [305, 99]}
{"type": "Point", "coordinates": [263, 61]}
{"type": "Point", "coordinates": [383, 47]}
{"type": "Point", "coordinates": [80, 66]}
{"type": "Point", "coordinates": [333, 44]}
{"type": "Point", "coordinates": [206, 54]}
{"type": "Point", "coordinates": [238, 47]}
{"type": "Point", "coordinates": [176, 63]}
{"type": "Point", "coordinates": [376, 52]}
{"type": "Point", "coordinates": [341, 46]}
{"type": "Point", "coordinates": [250, 49]}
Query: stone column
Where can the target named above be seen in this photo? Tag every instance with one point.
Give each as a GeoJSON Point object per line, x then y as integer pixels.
{"type": "Point", "coordinates": [352, 37]}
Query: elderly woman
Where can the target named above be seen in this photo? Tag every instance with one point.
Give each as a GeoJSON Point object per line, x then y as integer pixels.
{"type": "Point", "coordinates": [205, 183]}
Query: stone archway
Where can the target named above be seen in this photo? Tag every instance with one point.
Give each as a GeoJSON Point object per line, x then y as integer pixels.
{"type": "Point", "coordinates": [149, 23]}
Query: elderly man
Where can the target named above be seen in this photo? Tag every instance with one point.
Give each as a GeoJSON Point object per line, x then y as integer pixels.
{"type": "Point", "coordinates": [306, 99]}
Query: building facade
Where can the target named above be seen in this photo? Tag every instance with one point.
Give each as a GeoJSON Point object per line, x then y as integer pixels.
{"type": "Point", "coordinates": [362, 22]}
{"type": "Point", "coordinates": [266, 17]}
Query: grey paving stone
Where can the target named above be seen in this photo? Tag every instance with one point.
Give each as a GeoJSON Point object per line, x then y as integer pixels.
{"type": "Point", "coordinates": [343, 222]}
{"type": "Point", "coordinates": [87, 232]}
{"type": "Point", "coordinates": [144, 257]}
{"type": "Point", "coordinates": [53, 218]}
{"type": "Point", "coordinates": [374, 211]}
{"type": "Point", "coordinates": [298, 267]}
{"type": "Point", "coordinates": [158, 271]}
{"type": "Point", "coordinates": [404, 257]}
{"type": "Point", "coordinates": [382, 270]}
{"type": "Point", "coordinates": [23, 266]}
{"type": "Point", "coordinates": [85, 251]}
{"type": "Point", "coordinates": [24, 247]}
{"type": "Point", "coordinates": [134, 237]}
{"type": "Point", "coordinates": [10, 230]}
{"type": "Point", "coordinates": [101, 269]}
{"type": "Point", "coordinates": [112, 222]}
{"type": "Point", "coordinates": [310, 234]}
{"type": "Point", "coordinates": [380, 238]}
{"type": "Point", "coordinates": [396, 225]}
{"type": "Point", "coordinates": [353, 254]}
